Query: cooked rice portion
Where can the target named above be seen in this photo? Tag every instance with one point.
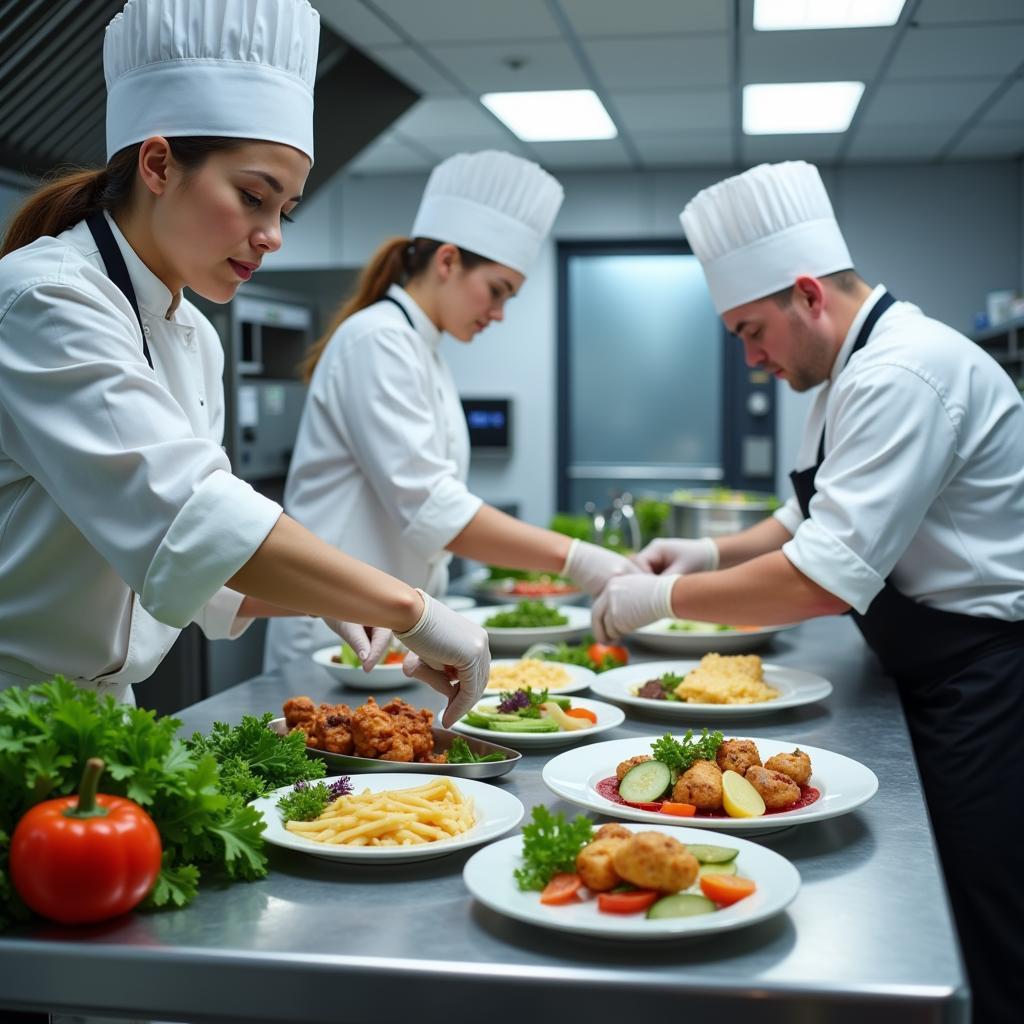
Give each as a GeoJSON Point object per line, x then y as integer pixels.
{"type": "Point", "coordinates": [726, 679]}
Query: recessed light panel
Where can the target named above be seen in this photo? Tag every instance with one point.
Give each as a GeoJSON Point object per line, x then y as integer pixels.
{"type": "Point", "coordinates": [790, 15]}
{"type": "Point", "coordinates": [799, 108]}
{"type": "Point", "coordinates": [554, 116]}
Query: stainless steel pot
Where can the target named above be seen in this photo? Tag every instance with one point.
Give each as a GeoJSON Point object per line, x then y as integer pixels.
{"type": "Point", "coordinates": [712, 514]}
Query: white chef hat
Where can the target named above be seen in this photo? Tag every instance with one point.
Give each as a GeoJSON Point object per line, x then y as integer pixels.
{"type": "Point", "coordinates": [494, 204]}
{"type": "Point", "coordinates": [238, 68]}
{"type": "Point", "coordinates": [756, 233]}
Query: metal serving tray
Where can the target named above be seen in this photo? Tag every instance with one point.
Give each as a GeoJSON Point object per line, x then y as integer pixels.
{"type": "Point", "coordinates": [347, 763]}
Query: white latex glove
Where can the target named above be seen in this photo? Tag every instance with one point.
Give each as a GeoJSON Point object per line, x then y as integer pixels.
{"type": "Point", "coordinates": [678, 556]}
{"type": "Point", "coordinates": [450, 655]}
{"type": "Point", "coordinates": [592, 567]}
{"type": "Point", "coordinates": [369, 642]}
{"type": "Point", "coordinates": [629, 602]}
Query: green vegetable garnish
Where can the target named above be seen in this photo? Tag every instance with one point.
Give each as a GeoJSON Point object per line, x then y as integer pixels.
{"type": "Point", "coordinates": [550, 845]}
{"type": "Point", "coordinates": [680, 755]}
{"type": "Point", "coordinates": [306, 802]}
{"type": "Point", "coordinates": [348, 657]}
{"type": "Point", "coordinates": [459, 753]}
{"type": "Point", "coordinates": [527, 615]}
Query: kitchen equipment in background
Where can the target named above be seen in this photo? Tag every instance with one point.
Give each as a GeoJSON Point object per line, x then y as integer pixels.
{"type": "Point", "coordinates": [489, 421]}
{"type": "Point", "coordinates": [717, 512]}
{"type": "Point", "coordinates": [616, 527]}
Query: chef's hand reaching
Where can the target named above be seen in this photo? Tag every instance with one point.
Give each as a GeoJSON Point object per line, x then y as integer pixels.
{"type": "Point", "coordinates": [450, 655]}
{"type": "Point", "coordinates": [629, 602]}
{"type": "Point", "coordinates": [369, 642]}
{"type": "Point", "coordinates": [678, 556]}
{"type": "Point", "coordinates": [592, 567]}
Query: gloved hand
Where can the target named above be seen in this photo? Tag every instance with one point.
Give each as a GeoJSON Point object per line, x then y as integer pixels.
{"type": "Point", "coordinates": [592, 567]}
{"type": "Point", "coordinates": [369, 642]}
{"type": "Point", "coordinates": [678, 556]}
{"type": "Point", "coordinates": [450, 655]}
{"type": "Point", "coordinates": [629, 602]}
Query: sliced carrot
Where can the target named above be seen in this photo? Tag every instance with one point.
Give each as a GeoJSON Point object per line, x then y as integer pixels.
{"type": "Point", "coordinates": [679, 810]}
{"type": "Point", "coordinates": [634, 902]}
{"type": "Point", "coordinates": [563, 888]}
{"type": "Point", "coordinates": [582, 713]}
{"type": "Point", "coordinates": [726, 889]}
{"type": "Point", "coordinates": [394, 658]}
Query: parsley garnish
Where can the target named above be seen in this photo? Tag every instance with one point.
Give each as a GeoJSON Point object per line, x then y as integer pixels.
{"type": "Point", "coordinates": [680, 755]}
{"type": "Point", "coordinates": [550, 845]}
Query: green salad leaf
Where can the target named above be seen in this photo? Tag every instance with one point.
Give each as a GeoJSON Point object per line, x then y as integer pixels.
{"type": "Point", "coordinates": [679, 755]}
{"type": "Point", "coordinates": [527, 614]}
{"type": "Point", "coordinates": [550, 845]}
{"type": "Point", "coordinates": [459, 753]}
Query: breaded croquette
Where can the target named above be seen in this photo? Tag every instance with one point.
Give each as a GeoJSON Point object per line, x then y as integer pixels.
{"type": "Point", "coordinates": [737, 755]}
{"type": "Point", "coordinates": [653, 860]}
{"type": "Point", "coordinates": [700, 785]}
{"type": "Point", "coordinates": [630, 762]}
{"type": "Point", "coordinates": [777, 790]}
{"type": "Point", "coordinates": [595, 864]}
{"type": "Point", "coordinates": [613, 830]}
{"type": "Point", "coordinates": [796, 765]}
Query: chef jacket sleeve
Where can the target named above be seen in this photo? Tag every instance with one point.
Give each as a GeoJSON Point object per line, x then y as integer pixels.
{"type": "Point", "coordinates": [790, 515]}
{"type": "Point", "coordinates": [892, 450]}
{"type": "Point", "coordinates": [83, 414]}
{"type": "Point", "coordinates": [218, 618]}
{"type": "Point", "coordinates": [390, 428]}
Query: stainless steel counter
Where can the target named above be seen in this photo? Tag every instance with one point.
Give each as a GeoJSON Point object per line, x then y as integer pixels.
{"type": "Point", "coordinates": [869, 936]}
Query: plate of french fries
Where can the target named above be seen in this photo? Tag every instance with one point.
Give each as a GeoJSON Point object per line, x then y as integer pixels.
{"type": "Point", "coordinates": [395, 818]}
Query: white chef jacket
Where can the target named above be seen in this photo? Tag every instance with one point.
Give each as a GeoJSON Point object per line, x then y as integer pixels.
{"type": "Point", "coordinates": [923, 478]}
{"type": "Point", "coordinates": [120, 520]}
{"type": "Point", "coordinates": [381, 459]}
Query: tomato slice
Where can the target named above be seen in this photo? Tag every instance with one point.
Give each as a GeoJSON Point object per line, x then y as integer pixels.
{"type": "Point", "coordinates": [635, 902]}
{"type": "Point", "coordinates": [726, 889]}
{"type": "Point", "coordinates": [563, 888]}
{"type": "Point", "coordinates": [582, 713]}
{"type": "Point", "coordinates": [598, 652]}
{"type": "Point", "coordinates": [394, 658]}
{"type": "Point", "coordinates": [679, 810]}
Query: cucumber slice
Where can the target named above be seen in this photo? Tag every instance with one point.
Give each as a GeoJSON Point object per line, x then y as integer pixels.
{"type": "Point", "coordinates": [712, 854]}
{"type": "Point", "coordinates": [681, 904]}
{"type": "Point", "coordinates": [728, 868]}
{"type": "Point", "coordinates": [524, 725]}
{"type": "Point", "coordinates": [645, 782]}
{"type": "Point", "coordinates": [477, 720]}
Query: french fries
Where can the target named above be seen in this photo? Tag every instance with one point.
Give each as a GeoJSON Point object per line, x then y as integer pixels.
{"type": "Point", "coordinates": [401, 817]}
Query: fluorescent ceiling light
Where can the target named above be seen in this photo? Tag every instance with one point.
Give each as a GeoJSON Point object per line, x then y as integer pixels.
{"type": "Point", "coordinates": [799, 108]}
{"type": "Point", "coordinates": [776, 15]}
{"type": "Point", "coordinates": [556, 116]}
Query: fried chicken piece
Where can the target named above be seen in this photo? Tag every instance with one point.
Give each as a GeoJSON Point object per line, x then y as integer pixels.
{"type": "Point", "coordinates": [595, 866]}
{"type": "Point", "coordinates": [777, 790]}
{"type": "Point", "coordinates": [653, 860]}
{"type": "Point", "coordinates": [300, 713]}
{"type": "Point", "coordinates": [415, 725]}
{"type": "Point", "coordinates": [333, 729]}
{"type": "Point", "coordinates": [700, 785]}
{"type": "Point", "coordinates": [374, 734]}
{"type": "Point", "coordinates": [613, 830]}
{"type": "Point", "coordinates": [737, 756]}
{"type": "Point", "coordinates": [796, 765]}
{"type": "Point", "coordinates": [630, 762]}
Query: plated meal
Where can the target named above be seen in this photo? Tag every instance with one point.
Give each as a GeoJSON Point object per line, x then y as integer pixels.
{"type": "Point", "coordinates": [688, 636]}
{"type": "Point", "coordinates": [744, 784]}
{"type": "Point", "coordinates": [623, 881]}
{"type": "Point", "coordinates": [394, 818]}
{"type": "Point", "coordinates": [507, 585]}
{"type": "Point", "coordinates": [515, 673]}
{"type": "Point", "coordinates": [587, 653]}
{"type": "Point", "coordinates": [719, 686]}
{"type": "Point", "coordinates": [514, 629]}
{"type": "Point", "coordinates": [341, 661]}
{"type": "Point", "coordinates": [527, 717]}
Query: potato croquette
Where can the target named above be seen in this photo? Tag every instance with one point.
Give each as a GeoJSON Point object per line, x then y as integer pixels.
{"type": "Point", "coordinates": [737, 756]}
{"type": "Point", "coordinates": [796, 765]}
{"type": "Point", "coordinates": [595, 865]}
{"type": "Point", "coordinates": [777, 790]}
{"type": "Point", "coordinates": [653, 860]}
{"type": "Point", "coordinates": [613, 830]}
{"type": "Point", "coordinates": [631, 762]}
{"type": "Point", "coordinates": [700, 785]}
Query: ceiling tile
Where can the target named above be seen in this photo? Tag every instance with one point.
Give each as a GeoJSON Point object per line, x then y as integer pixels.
{"type": "Point", "coordinates": [990, 140]}
{"type": "Point", "coordinates": [599, 154]}
{"type": "Point", "coordinates": [614, 18]}
{"type": "Point", "coordinates": [684, 150]}
{"type": "Point", "coordinates": [409, 66]}
{"type": "Point", "coordinates": [655, 64]}
{"type": "Point", "coordinates": [756, 149]}
{"type": "Point", "coordinates": [351, 19]}
{"type": "Point", "coordinates": [958, 53]}
{"type": "Point", "coordinates": [908, 103]}
{"type": "Point", "coordinates": [931, 12]}
{"type": "Point", "coordinates": [448, 21]}
{"type": "Point", "coordinates": [442, 148]}
{"type": "Point", "coordinates": [445, 117]}
{"type": "Point", "coordinates": [485, 67]}
{"type": "Point", "coordinates": [1009, 107]}
{"type": "Point", "coordinates": [387, 155]}
{"type": "Point", "coordinates": [657, 113]}
{"type": "Point", "coordinates": [833, 56]}
{"type": "Point", "coordinates": [903, 142]}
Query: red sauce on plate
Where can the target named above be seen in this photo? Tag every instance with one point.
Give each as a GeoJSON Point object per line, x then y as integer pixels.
{"type": "Point", "coordinates": [609, 789]}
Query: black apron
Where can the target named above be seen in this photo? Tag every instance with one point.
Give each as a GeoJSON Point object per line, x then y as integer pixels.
{"type": "Point", "coordinates": [116, 269]}
{"type": "Point", "coordinates": [961, 682]}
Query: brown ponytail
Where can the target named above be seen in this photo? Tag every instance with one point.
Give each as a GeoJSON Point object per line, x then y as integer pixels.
{"type": "Point", "coordinates": [64, 200]}
{"type": "Point", "coordinates": [397, 261]}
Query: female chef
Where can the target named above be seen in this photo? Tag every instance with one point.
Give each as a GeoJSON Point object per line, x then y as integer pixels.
{"type": "Point", "coordinates": [120, 521]}
{"type": "Point", "coordinates": [908, 512]}
{"type": "Point", "coordinates": [382, 455]}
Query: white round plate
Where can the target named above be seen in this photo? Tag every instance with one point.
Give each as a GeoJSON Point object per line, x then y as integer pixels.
{"type": "Point", "coordinates": [844, 784]}
{"type": "Point", "coordinates": [658, 637]}
{"type": "Point", "coordinates": [500, 591]}
{"type": "Point", "coordinates": [511, 641]}
{"type": "Point", "coordinates": [795, 687]}
{"type": "Point", "coordinates": [497, 811]}
{"type": "Point", "coordinates": [580, 678]}
{"type": "Point", "coordinates": [380, 677]}
{"type": "Point", "coordinates": [608, 717]}
{"type": "Point", "coordinates": [488, 876]}
{"type": "Point", "coordinates": [457, 602]}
